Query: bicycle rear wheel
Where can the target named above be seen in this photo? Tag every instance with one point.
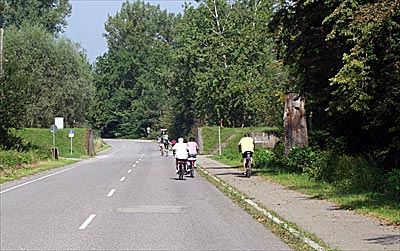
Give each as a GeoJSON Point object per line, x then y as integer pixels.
{"type": "Point", "coordinates": [192, 169]}
{"type": "Point", "coordinates": [181, 171]}
{"type": "Point", "coordinates": [248, 169]}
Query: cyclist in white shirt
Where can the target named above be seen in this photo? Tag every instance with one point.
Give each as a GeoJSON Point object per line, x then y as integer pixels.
{"type": "Point", "coordinates": [181, 152]}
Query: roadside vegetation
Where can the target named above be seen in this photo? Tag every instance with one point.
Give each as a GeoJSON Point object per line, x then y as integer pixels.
{"type": "Point", "coordinates": [351, 182]}
{"type": "Point", "coordinates": [33, 153]}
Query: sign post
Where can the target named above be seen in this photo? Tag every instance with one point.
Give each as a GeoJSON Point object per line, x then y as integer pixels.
{"type": "Point", "coordinates": [71, 135]}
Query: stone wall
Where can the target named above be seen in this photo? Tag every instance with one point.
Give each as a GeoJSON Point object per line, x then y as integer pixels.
{"type": "Point", "coordinates": [264, 140]}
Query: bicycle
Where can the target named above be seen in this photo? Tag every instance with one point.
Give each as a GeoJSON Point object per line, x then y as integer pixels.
{"type": "Point", "coordinates": [166, 151]}
{"type": "Point", "coordinates": [166, 147]}
{"type": "Point", "coordinates": [181, 168]}
{"type": "Point", "coordinates": [191, 166]}
{"type": "Point", "coordinates": [248, 164]}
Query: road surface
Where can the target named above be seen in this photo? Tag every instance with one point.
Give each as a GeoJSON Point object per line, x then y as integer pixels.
{"type": "Point", "coordinates": [127, 198]}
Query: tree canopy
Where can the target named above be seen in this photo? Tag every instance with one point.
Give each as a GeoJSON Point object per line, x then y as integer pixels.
{"type": "Point", "coordinates": [51, 14]}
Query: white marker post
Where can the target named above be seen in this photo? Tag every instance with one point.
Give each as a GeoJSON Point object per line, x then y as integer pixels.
{"type": "Point", "coordinates": [71, 135]}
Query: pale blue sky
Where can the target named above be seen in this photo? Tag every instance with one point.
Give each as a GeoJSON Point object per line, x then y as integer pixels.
{"type": "Point", "coordinates": [86, 23]}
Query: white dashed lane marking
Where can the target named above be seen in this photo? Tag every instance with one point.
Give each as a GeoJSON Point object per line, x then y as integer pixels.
{"type": "Point", "coordinates": [87, 222]}
{"type": "Point", "coordinates": [111, 193]}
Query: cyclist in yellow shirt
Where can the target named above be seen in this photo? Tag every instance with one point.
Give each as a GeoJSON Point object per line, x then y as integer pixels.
{"type": "Point", "coordinates": [246, 144]}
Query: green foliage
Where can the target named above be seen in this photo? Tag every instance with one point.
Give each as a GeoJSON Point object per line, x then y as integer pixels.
{"type": "Point", "coordinates": [393, 182]}
{"type": "Point", "coordinates": [264, 158]}
{"type": "Point", "coordinates": [52, 77]}
{"type": "Point", "coordinates": [51, 14]}
{"type": "Point", "coordinates": [344, 56]}
{"type": "Point", "coordinates": [131, 78]}
{"type": "Point", "coordinates": [226, 69]}
{"type": "Point", "coordinates": [11, 160]}
{"type": "Point", "coordinates": [345, 173]}
{"type": "Point", "coordinates": [43, 139]}
{"type": "Point", "coordinates": [35, 145]}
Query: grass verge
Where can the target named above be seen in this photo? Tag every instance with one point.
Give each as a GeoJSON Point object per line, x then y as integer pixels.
{"type": "Point", "coordinates": [295, 241]}
{"type": "Point", "coordinates": [34, 169]}
{"type": "Point", "coordinates": [378, 206]}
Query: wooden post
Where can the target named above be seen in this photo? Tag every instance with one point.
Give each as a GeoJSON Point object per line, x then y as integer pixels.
{"type": "Point", "coordinates": [294, 122]}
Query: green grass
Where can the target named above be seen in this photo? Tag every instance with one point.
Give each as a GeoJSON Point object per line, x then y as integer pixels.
{"type": "Point", "coordinates": [44, 138]}
{"type": "Point", "coordinates": [34, 169]}
{"type": "Point", "coordinates": [379, 206]}
{"type": "Point", "coordinates": [15, 165]}
{"type": "Point", "coordinates": [210, 137]}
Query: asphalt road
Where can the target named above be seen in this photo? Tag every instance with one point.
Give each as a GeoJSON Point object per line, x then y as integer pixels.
{"type": "Point", "coordinates": [127, 198]}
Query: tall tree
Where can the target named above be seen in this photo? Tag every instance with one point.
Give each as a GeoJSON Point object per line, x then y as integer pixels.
{"type": "Point", "coordinates": [132, 77]}
{"type": "Point", "coordinates": [367, 86]}
{"type": "Point", "coordinates": [227, 56]}
{"type": "Point", "coordinates": [344, 56]}
{"type": "Point", "coordinates": [54, 74]}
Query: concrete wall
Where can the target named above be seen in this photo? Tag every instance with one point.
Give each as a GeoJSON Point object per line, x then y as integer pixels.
{"type": "Point", "coordinates": [264, 140]}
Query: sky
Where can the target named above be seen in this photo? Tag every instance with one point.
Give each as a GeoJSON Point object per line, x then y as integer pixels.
{"type": "Point", "coordinates": [86, 23]}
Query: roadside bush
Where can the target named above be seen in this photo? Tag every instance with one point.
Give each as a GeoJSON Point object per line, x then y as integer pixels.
{"type": "Point", "coordinates": [392, 186]}
{"type": "Point", "coordinates": [355, 174]}
{"type": "Point", "coordinates": [12, 160]}
{"type": "Point", "coordinates": [264, 158]}
{"type": "Point", "coordinates": [346, 173]}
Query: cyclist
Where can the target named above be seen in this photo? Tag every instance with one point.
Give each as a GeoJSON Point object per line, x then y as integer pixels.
{"type": "Point", "coordinates": [245, 145]}
{"type": "Point", "coordinates": [181, 152]}
{"type": "Point", "coordinates": [161, 144]}
{"type": "Point", "coordinates": [166, 143]}
{"type": "Point", "coordinates": [193, 148]}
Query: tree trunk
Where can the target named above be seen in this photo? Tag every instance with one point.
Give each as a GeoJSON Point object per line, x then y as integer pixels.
{"type": "Point", "coordinates": [294, 122]}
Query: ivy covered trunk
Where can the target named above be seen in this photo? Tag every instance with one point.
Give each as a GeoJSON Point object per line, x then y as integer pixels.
{"type": "Point", "coordinates": [294, 122]}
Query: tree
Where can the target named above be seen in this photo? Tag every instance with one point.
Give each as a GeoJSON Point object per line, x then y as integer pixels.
{"type": "Point", "coordinates": [54, 74]}
{"type": "Point", "coordinates": [344, 57]}
{"type": "Point", "coordinates": [224, 57]}
{"type": "Point", "coordinates": [367, 85]}
{"type": "Point", "coordinates": [132, 77]}
{"type": "Point", "coordinates": [51, 14]}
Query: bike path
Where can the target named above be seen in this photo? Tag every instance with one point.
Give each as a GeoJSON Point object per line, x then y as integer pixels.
{"type": "Point", "coordinates": [340, 229]}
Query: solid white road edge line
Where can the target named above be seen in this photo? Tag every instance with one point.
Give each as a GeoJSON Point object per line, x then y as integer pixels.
{"type": "Point", "coordinates": [87, 222]}
{"type": "Point", "coordinates": [308, 241]}
{"type": "Point", "coordinates": [41, 178]}
{"type": "Point", "coordinates": [111, 193]}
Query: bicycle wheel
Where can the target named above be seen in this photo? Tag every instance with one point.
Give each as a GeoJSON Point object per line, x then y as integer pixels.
{"type": "Point", "coordinates": [191, 169]}
{"type": "Point", "coordinates": [181, 171]}
{"type": "Point", "coordinates": [248, 169]}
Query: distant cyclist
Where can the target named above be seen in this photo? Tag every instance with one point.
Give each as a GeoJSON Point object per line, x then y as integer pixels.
{"type": "Point", "coordinates": [160, 141]}
{"type": "Point", "coordinates": [166, 143]}
{"type": "Point", "coordinates": [246, 145]}
{"type": "Point", "coordinates": [193, 148]}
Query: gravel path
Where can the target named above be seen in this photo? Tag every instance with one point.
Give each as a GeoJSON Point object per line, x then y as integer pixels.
{"type": "Point", "coordinates": [338, 228]}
